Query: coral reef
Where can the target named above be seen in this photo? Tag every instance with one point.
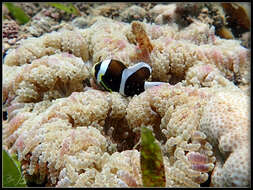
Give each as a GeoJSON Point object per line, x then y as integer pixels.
{"type": "Point", "coordinates": [39, 25]}
{"type": "Point", "coordinates": [172, 52]}
{"type": "Point", "coordinates": [45, 18]}
{"type": "Point", "coordinates": [10, 34]}
{"type": "Point", "coordinates": [82, 137]}
{"type": "Point", "coordinates": [10, 29]}
{"type": "Point", "coordinates": [189, 155]}
{"type": "Point", "coordinates": [176, 111]}
{"type": "Point", "coordinates": [33, 48]}
{"type": "Point", "coordinates": [109, 10]}
{"type": "Point", "coordinates": [66, 131]}
{"type": "Point", "coordinates": [47, 78]}
{"type": "Point", "coordinates": [174, 55]}
{"type": "Point", "coordinates": [197, 122]}
{"type": "Point", "coordinates": [226, 122]}
{"type": "Point", "coordinates": [134, 13]}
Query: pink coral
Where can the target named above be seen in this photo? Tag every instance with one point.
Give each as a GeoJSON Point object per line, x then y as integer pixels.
{"type": "Point", "coordinates": [46, 78]}
{"type": "Point", "coordinates": [85, 137]}
{"type": "Point", "coordinates": [108, 40]}
{"type": "Point", "coordinates": [178, 56]}
{"type": "Point", "coordinates": [61, 128]}
{"type": "Point", "coordinates": [48, 44]}
{"type": "Point", "coordinates": [226, 121]}
{"type": "Point", "coordinates": [206, 75]}
{"type": "Point", "coordinates": [186, 112]}
{"type": "Point", "coordinates": [10, 29]}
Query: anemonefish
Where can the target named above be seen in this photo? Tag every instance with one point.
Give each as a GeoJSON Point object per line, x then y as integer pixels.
{"type": "Point", "coordinates": [113, 75]}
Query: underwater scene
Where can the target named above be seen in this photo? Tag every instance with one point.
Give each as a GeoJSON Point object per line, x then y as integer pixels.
{"type": "Point", "coordinates": [126, 94]}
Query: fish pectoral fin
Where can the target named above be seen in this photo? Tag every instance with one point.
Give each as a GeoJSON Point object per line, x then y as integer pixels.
{"type": "Point", "coordinates": [151, 84]}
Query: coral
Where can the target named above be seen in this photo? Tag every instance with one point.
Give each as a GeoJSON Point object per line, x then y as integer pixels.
{"type": "Point", "coordinates": [206, 75]}
{"type": "Point", "coordinates": [66, 129]}
{"type": "Point", "coordinates": [80, 22]}
{"type": "Point", "coordinates": [186, 147]}
{"type": "Point", "coordinates": [84, 8]}
{"type": "Point", "coordinates": [170, 52]}
{"type": "Point", "coordinates": [116, 170]}
{"type": "Point", "coordinates": [188, 11]}
{"type": "Point", "coordinates": [9, 73]}
{"type": "Point", "coordinates": [45, 20]}
{"type": "Point", "coordinates": [246, 42]}
{"type": "Point", "coordinates": [197, 32]}
{"type": "Point", "coordinates": [163, 14]}
{"type": "Point", "coordinates": [120, 170]}
{"type": "Point", "coordinates": [213, 14]}
{"type": "Point", "coordinates": [225, 33]}
{"type": "Point", "coordinates": [238, 13]}
{"type": "Point", "coordinates": [10, 34]}
{"type": "Point", "coordinates": [177, 112]}
{"type": "Point", "coordinates": [198, 124]}
{"type": "Point", "coordinates": [175, 57]}
{"type": "Point", "coordinates": [49, 77]}
{"type": "Point", "coordinates": [10, 29]}
{"type": "Point", "coordinates": [83, 137]}
{"type": "Point", "coordinates": [17, 114]}
{"type": "Point", "coordinates": [110, 10]}
{"type": "Point", "coordinates": [133, 13]}
{"type": "Point", "coordinates": [34, 48]}
{"type": "Point", "coordinates": [226, 122]}
{"type": "Point", "coordinates": [39, 25]}
{"type": "Point", "coordinates": [109, 40]}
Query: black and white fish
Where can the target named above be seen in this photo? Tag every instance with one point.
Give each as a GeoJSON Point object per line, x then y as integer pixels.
{"type": "Point", "coordinates": [113, 75]}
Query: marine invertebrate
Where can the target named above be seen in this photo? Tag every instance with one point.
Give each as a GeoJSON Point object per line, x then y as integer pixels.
{"type": "Point", "coordinates": [76, 124]}
{"type": "Point", "coordinates": [161, 106]}
{"type": "Point", "coordinates": [206, 75]}
{"type": "Point", "coordinates": [111, 11]}
{"type": "Point", "coordinates": [39, 25]}
{"type": "Point", "coordinates": [106, 43]}
{"type": "Point", "coordinates": [48, 44]}
{"type": "Point", "coordinates": [238, 14]}
{"type": "Point", "coordinates": [174, 57]}
{"type": "Point", "coordinates": [65, 112]}
{"type": "Point", "coordinates": [226, 122]}
{"type": "Point", "coordinates": [120, 170]}
{"type": "Point", "coordinates": [45, 96]}
{"type": "Point", "coordinates": [134, 13]}
{"type": "Point", "coordinates": [164, 13]}
{"type": "Point", "coordinates": [196, 131]}
{"type": "Point", "coordinates": [10, 29]}
{"type": "Point", "coordinates": [46, 78]}
{"type": "Point", "coordinates": [10, 34]}
{"type": "Point", "coordinates": [170, 53]}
